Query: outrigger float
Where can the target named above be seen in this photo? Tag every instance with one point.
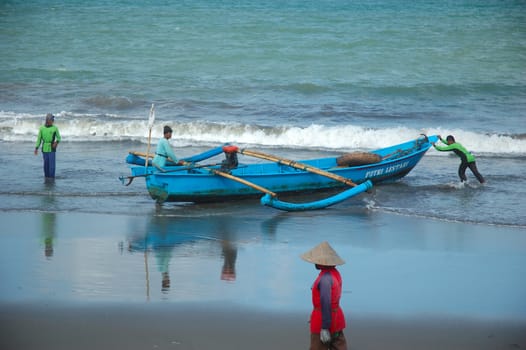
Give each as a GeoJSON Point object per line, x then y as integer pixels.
{"type": "Point", "coordinates": [355, 173]}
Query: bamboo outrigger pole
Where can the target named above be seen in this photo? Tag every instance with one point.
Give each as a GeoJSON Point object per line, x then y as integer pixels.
{"type": "Point", "coordinates": [237, 179]}
{"type": "Point", "coordinates": [243, 181]}
{"type": "Point", "coordinates": [297, 165]}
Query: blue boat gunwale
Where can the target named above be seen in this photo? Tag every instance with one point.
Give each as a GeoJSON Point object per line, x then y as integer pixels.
{"type": "Point", "coordinates": [171, 171]}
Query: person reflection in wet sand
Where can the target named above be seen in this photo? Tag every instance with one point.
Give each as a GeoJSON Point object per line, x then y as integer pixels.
{"type": "Point", "coordinates": [165, 285]}
{"type": "Point", "coordinates": [228, 272]}
{"type": "Point", "coordinates": [48, 233]}
{"type": "Point", "coordinates": [163, 255]}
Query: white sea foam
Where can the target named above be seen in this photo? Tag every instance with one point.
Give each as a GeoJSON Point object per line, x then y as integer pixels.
{"type": "Point", "coordinates": [107, 128]}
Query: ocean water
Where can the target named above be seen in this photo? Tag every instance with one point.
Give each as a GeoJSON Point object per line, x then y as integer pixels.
{"type": "Point", "coordinates": [298, 78]}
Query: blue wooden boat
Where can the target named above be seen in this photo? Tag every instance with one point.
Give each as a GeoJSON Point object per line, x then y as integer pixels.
{"type": "Point", "coordinates": [230, 180]}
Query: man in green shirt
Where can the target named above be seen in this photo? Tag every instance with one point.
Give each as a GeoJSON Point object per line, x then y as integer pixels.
{"type": "Point", "coordinates": [49, 137]}
{"type": "Point", "coordinates": [467, 160]}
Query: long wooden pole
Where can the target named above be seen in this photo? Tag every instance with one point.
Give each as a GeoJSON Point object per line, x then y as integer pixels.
{"type": "Point", "coordinates": [243, 181]}
{"type": "Point", "coordinates": [297, 165]}
{"type": "Point", "coordinates": [237, 179]}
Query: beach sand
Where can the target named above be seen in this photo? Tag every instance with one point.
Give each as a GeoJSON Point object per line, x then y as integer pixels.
{"type": "Point", "coordinates": [84, 281]}
{"type": "Point", "coordinates": [214, 327]}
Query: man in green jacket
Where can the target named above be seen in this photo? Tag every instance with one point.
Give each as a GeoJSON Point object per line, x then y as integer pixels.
{"type": "Point", "coordinates": [49, 137]}
{"type": "Point", "coordinates": [467, 160]}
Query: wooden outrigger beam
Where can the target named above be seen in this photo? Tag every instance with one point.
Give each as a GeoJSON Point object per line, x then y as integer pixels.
{"type": "Point", "coordinates": [297, 165]}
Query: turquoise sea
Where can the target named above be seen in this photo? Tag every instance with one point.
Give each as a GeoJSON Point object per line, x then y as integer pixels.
{"type": "Point", "coordinates": [313, 77]}
{"type": "Point", "coordinates": [298, 79]}
{"type": "Point", "coordinates": [445, 65]}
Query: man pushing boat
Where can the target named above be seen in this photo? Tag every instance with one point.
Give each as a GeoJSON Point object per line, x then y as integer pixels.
{"type": "Point", "coordinates": [467, 160]}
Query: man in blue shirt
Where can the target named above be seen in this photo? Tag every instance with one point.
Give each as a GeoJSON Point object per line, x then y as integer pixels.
{"type": "Point", "coordinates": [164, 150]}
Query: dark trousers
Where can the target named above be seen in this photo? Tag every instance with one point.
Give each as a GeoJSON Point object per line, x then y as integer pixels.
{"type": "Point", "coordinates": [49, 164]}
{"type": "Point", "coordinates": [338, 342]}
{"type": "Point", "coordinates": [473, 167]}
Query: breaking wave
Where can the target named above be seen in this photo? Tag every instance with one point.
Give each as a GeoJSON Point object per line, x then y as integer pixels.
{"type": "Point", "coordinates": [109, 128]}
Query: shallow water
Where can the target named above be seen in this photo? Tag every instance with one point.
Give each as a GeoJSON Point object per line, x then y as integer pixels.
{"type": "Point", "coordinates": [88, 181]}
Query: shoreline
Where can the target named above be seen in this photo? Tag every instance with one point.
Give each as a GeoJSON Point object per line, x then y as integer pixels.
{"type": "Point", "coordinates": [213, 326]}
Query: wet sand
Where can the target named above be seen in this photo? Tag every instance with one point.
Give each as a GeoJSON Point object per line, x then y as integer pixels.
{"type": "Point", "coordinates": [85, 281]}
{"type": "Point", "coordinates": [214, 327]}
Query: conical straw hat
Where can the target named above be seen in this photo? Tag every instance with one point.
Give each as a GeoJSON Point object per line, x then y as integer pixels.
{"type": "Point", "coordinates": [323, 254]}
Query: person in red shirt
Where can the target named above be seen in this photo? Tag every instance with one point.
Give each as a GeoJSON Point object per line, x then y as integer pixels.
{"type": "Point", "coordinates": [327, 320]}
